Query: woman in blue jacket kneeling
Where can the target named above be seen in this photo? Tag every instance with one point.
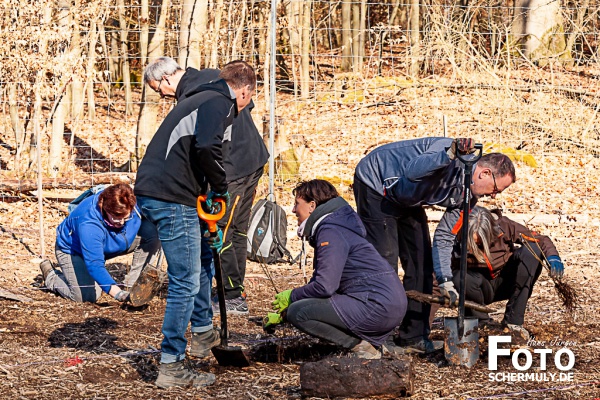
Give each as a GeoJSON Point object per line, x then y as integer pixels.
{"type": "Point", "coordinates": [105, 225]}
{"type": "Point", "coordinates": [354, 298]}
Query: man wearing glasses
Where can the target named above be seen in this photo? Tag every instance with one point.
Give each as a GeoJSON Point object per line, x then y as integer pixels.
{"type": "Point", "coordinates": [391, 186]}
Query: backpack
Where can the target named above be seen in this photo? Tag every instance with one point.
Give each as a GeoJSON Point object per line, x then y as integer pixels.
{"type": "Point", "coordinates": [87, 193]}
{"type": "Point", "coordinates": [267, 234]}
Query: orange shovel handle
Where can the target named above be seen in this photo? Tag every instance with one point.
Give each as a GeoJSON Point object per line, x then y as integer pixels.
{"type": "Point", "coordinates": [210, 219]}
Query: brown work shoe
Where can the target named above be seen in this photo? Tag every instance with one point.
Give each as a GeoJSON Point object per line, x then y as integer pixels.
{"type": "Point", "coordinates": [178, 374]}
{"type": "Point", "coordinates": [365, 350]}
{"type": "Point", "coordinates": [46, 268]}
{"type": "Point", "coordinates": [204, 341]}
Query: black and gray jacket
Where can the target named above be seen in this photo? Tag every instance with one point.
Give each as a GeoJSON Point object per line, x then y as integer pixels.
{"type": "Point", "coordinates": [246, 150]}
{"type": "Point", "coordinates": [186, 153]}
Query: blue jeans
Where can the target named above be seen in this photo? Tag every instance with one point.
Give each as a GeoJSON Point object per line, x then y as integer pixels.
{"type": "Point", "coordinates": [188, 298]}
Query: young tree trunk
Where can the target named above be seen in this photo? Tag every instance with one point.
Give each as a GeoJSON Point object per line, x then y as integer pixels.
{"type": "Point", "coordinates": [214, 53]}
{"type": "Point", "coordinates": [294, 12]}
{"type": "Point", "coordinates": [15, 122]}
{"type": "Point", "coordinates": [124, 57]}
{"type": "Point", "coordinates": [239, 33]}
{"type": "Point", "coordinates": [90, 69]}
{"type": "Point", "coordinates": [355, 37]}
{"type": "Point", "coordinates": [144, 31]}
{"type": "Point", "coordinates": [75, 51]}
{"type": "Point", "coordinates": [113, 53]}
{"type": "Point", "coordinates": [415, 51]}
{"type": "Point", "coordinates": [264, 47]}
{"type": "Point", "coordinates": [61, 109]}
{"type": "Point", "coordinates": [149, 108]}
{"type": "Point", "coordinates": [108, 57]}
{"type": "Point", "coordinates": [194, 17]}
{"type": "Point", "coordinates": [346, 64]}
{"type": "Point", "coordinates": [305, 50]}
{"type": "Point", "coordinates": [538, 32]}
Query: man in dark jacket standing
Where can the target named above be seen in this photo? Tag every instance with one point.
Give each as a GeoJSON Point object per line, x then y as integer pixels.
{"type": "Point", "coordinates": [184, 157]}
{"type": "Point", "coordinates": [244, 166]}
{"type": "Point", "coordinates": [391, 184]}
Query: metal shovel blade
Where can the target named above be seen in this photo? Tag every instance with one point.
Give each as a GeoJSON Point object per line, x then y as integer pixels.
{"type": "Point", "coordinates": [461, 349]}
{"type": "Point", "coordinates": [230, 356]}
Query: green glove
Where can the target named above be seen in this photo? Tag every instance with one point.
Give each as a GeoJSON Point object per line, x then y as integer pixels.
{"type": "Point", "coordinates": [271, 320]}
{"type": "Point", "coordinates": [282, 300]}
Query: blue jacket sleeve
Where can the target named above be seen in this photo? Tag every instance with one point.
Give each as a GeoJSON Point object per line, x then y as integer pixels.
{"type": "Point", "coordinates": [92, 240]}
{"type": "Point", "coordinates": [331, 253]}
{"type": "Point", "coordinates": [213, 126]}
{"type": "Point", "coordinates": [443, 241]}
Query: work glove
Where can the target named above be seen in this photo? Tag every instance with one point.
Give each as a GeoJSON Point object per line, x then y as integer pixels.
{"type": "Point", "coordinates": [557, 269]}
{"type": "Point", "coordinates": [282, 300]}
{"type": "Point", "coordinates": [460, 146]}
{"type": "Point", "coordinates": [270, 321]}
{"type": "Point", "coordinates": [449, 291]}
{"type": "Point", "coordinates": [122, 296]}
{"type": "Point", "coordinates": [211, 195]}
{"type": "Point", "coordinates": [215, 242]}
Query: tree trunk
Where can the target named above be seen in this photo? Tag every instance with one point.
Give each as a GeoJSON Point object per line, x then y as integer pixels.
{"type": "Point", "coordinates": [346, 64]}
{"type": "Point", "coordinates": [125, 57]}
{"type": "Point", "coordinates": [194, 17]}
{"type": "Point", "coordinates": [239, 33]}
{"type": "Point", "coordinates": [15, 122]}
{"type": "Point", "coordinates": [294, 12]}
{"type": "Point", "coordinates": [214, 53]}
{"type": "Point", "coordinates": [149, 108]}
{"type": "Point", "coordinates": [305, 49]}
{"type": "Point", "coordinates": [538, 32]}
{"type": "Point", "coordinates": [144, 31]}
{"type": "Point", "coordinates": [90, 69]}
{"type": "Point", "coordinates": [61, 109]}
{"type": "Point", "coordinates": [355, 37]}
{"type": "Point", "coordinates": [109, 60]}
{"type": "Point", "coordinates": [414, 38]}
{"type": "Point", "coordinates": [75, 51]}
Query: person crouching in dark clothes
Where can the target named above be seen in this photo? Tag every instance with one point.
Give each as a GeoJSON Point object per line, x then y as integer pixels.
{"type": "Point", "coordinates": [354, 298]}
{"type": "Point", "coordinates": [504, 262]}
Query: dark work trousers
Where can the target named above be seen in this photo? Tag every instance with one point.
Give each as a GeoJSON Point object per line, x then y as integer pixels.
{"type": "Point", "coordinates": [401, 233]}
{"type": "Point", "coordinates": [514, 283]}
{"type": "Point", "coordinates": [233, 255]}
{"type": "Point", "coordinates": [318, 318]}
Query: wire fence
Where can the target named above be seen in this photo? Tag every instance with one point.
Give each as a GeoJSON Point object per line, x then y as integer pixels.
{"type": "Point", "coordinates": [348, 76]}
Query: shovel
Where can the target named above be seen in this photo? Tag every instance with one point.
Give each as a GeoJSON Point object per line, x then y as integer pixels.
{"type": "Point", "coordinates": [224, 354]}
{"type": "Point", "coordinates": [460, 347]}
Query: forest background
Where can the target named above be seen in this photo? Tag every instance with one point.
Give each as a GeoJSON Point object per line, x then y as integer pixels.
{"type": "Point", "coordinates": [518, 76]}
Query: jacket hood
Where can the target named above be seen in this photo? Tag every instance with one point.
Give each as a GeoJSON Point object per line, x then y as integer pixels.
{"type": "Point", "coordinates": [188, 87]}
{"type": "Point", "coordinates": [192, 80]}
{"type": "Point", "coordinates": [335, 212]}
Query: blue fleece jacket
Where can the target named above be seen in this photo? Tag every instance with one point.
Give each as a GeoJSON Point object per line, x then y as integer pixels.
{"type": "Point", "coordinates": [84, 233]}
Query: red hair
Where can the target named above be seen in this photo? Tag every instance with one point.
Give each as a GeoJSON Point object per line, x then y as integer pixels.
{"type": "Point", "coordinates": [118, 200]}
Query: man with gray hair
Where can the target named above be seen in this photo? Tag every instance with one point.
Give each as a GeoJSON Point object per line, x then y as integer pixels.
{"type": "Point", "coordinates": [244, 166]}
{"type": "Point", "coordinates": [185, 156]}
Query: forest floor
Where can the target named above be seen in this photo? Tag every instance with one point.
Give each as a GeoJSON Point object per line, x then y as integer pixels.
{"type": "Point", "coordinates": [54, 348]}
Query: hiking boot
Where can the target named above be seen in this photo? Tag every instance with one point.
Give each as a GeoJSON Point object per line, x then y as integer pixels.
{"type": "Point", "coordinates": [423, 346]}
{"type": "Point", "coordinates": [235, 306]}
{"type": "Point", "coordinates": [46, 268]}
{"type": "Point", "coordinates": [202, 342]}
{"type": "Point", "coordinates": [518, 330]}
{"type": "Point", "coordinates": [365, 350]}
{"type": "Point", "coordinates": [178, 374]}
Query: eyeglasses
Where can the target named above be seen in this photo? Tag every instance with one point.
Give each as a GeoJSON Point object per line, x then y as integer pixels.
{"type": "Point", "coordinates": [496, 191]}
{"type": "Point", "coordinates": [157, 90]}
{"type": "Point", "coordinates": [111, 221]}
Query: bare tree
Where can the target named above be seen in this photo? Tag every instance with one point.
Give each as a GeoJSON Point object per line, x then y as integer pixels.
{"type": "Point", "coordinates": [125, 57]}
{"type": "Point", "coordinates": [147, 119]}
{"type": "Point", "coordinates": [415, 41]}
